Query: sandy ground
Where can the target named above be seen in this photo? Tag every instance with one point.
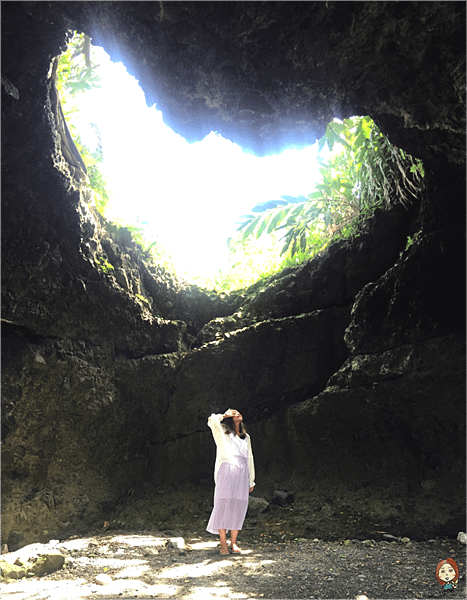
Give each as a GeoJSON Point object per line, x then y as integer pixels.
{"type": "Point", "coordinates": [188, 566]}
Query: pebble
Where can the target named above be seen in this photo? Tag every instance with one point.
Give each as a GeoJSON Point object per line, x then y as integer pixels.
{"type": "Point", "coordinates": [462, 537]}
{"type": "Point", "coordinates": [177, 542]}
{"type": "Point", "coordinates": [103, 579]}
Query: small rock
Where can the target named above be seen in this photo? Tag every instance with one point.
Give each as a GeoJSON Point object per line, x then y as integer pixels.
{"type": "Point", "coordinates": [103, 579]}
{"type": "Point", "coordinates": [178, 542]}
{"type": "Point", "coordinates": [405, 540]}
{"type": "Point", "coordinates": [4, 548]}
{"type": "Point", "coordinates": [121, 278]}
{"type": "Point", "coordinates": [12, 571]}
{"type": "Point", "coordinates": [308, 529]}
{"type": "Point", "coordinates": [282, 498]}
{"type": "Point", "coordinates": [462, 537]}
{"type": "Point", "coordinates": [256, 506]}
{"type": "Point", "coordinates": [14, 541]}
{"type": "Point", "coordinates": [326, 510]}
{"type": "Point", "coordinates": [38, 359]}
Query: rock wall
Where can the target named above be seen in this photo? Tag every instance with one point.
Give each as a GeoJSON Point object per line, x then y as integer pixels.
{"type": "Point", "coordinates": [350, 369]}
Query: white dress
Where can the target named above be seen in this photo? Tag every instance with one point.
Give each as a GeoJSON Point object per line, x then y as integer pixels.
{"type": "Point", "coordinates": [232, 488]}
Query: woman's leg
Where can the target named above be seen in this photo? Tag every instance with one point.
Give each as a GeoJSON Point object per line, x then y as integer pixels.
{"type": "Point", "coordinates": [233, 541]}
{"type": "Point", "coordinates": [223, 541]}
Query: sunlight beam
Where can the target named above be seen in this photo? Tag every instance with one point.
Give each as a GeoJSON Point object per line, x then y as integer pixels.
{"type": "Point", "coordinates": [189, 194]}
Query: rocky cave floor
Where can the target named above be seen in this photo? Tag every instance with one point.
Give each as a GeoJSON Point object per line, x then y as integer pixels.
{"type": "Point", "coordinates": [344, 555]}
{"type": "Point", "coordinates": [187, 565]}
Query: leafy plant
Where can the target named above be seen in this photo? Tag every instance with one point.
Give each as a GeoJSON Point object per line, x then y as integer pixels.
{"type": "Point", "coordinates": [104, 265]}
{"type": "Point", "coordinates": [143, 299]}
{"type": "Point", "coordinates": [117, 523]}
{"type": "Point", "coordinates": [364, 172]}
{"type": "Point", "coordinates": [77, 74]}
{"type": "Point", "coordinates": [413, 239]}
{"type": "Point", "coordinates": [152, 249]}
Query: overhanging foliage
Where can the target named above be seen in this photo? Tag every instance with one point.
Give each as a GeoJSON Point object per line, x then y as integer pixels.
{"type": "Point", "coordinates": [364, 171]}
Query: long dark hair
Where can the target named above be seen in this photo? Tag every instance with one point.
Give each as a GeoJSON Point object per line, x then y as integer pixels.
{"type": "Point", "coordinates": [229, 427]}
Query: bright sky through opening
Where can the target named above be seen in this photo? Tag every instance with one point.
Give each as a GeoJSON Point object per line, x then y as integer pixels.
{"type": "Point", "coordinates": [190, 195]}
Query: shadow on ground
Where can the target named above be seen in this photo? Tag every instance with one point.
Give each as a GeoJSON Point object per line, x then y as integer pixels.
{"type": "Point", "coordinates": [168, 565]}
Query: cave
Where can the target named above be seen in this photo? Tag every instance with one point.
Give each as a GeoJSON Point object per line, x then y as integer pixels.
{"type": "Point", "coordinates": [349, 369]}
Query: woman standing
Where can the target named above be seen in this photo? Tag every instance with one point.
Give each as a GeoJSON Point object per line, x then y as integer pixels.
{"type": "Point", "coordinates": [234, 476]}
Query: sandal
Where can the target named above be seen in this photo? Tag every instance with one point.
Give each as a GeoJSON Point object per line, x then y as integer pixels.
{"type": "Point", "coordinates": [224, 551]}
{"type": "Point", "coordinates": [237, 551]}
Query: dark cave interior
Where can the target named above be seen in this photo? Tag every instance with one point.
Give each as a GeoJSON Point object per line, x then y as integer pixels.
{"type": "Point", "coordinates": [354, 364]}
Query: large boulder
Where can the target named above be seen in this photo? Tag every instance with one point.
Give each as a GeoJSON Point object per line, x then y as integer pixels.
{"type": "Point", "coordinates": [35, 560]}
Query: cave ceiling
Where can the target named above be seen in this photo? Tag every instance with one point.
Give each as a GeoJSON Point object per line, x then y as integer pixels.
{"type": "Point", "coordinates": [271, 75]}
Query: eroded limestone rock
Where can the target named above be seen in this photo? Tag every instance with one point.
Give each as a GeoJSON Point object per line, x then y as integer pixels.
{"type": "Point", "coordinates": [35, 560]}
